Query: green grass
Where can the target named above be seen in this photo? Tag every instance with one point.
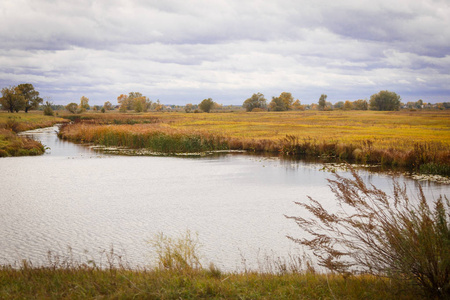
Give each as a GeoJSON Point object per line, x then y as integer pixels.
{"type": "Point", "coordinates": [88, 282]}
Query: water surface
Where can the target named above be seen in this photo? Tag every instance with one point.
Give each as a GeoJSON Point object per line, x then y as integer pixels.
{"type": "Point", "coordinates": [74, 197]}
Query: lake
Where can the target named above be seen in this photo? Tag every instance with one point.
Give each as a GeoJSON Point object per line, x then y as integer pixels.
{"type": "Point", "coordinates": [73, 197]}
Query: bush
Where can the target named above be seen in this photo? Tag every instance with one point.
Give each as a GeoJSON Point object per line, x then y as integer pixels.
{"type": "Point", "coordinates": [380, 234]}
{"type": "Point", "coordinates": [179, 254]}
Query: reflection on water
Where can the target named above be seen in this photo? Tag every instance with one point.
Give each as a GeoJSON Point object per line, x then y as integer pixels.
{"type": "Point", "coordinates": [72, 196]}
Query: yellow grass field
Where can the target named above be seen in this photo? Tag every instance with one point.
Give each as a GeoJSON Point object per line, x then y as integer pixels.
{"type": "Point", "coordinates": [405, 138]}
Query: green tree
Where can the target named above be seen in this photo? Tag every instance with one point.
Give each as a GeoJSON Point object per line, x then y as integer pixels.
{"type": "Point", "coordinates": [12, 99]}
{"type": "Point", "coordinates": [255, 101]}
{"type": "Point", "coordinates": [84, 104]}
{"type": "Point", "coordinates": [384, 101]}
{"type": "Point", "coordinates": [206, 105]}
{"type": "Point", "coordinates": [282, 102]}
{"type": "Point", "coordinates": [323, 102]}
{"type": "Point", "coordinates": [339, 105]}
{"type": "Point", "coordinates": [31, 96]}
{"type": "Point", "coordinates": [360, 105]}
{"type": "Point", "coordinates": [72, 107]}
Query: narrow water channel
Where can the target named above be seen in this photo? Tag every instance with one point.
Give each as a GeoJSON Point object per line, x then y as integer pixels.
{"type": "Point", "coordinates": [73, 197]}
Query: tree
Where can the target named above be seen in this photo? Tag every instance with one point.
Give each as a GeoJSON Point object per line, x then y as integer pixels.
{"type": "Point", "coordinates": [48, 111]}
{"type": "Point", "coordinates": [360, 105]}
{"type": "Point", "coordinates": [188, 107]}
{"type": "Point", "coordinates": [31, 96]}
{"type": "Point", "coordinates": [206, 105]}
{"type": "Point", "coordinates": [140, 104]}
{"type": "Point", "coordinates": [348, 105]}
{"type": "Point", "coordinates": [322, 102]}
{"type": "Point", "coordinates": [297, 105]}
{"type": "Point", "coordinates": [282, 102]}
{"type": "Point", "coordinates": [123, 102]}
{"type": "Point", "coordinates": [84, 104]}
{"type": "Point", "coordinates": [12, 99]}
{"type": "Point", "coordinates": [339, 105]}
{"type": "Point", "coordinates": [255, 101]}
{"type": "Point", "coordinates": [385, 101]}
{"type": "Point", "coordinates": [72, 107]}
{"type": "Point", "coordinates": [108, 105]}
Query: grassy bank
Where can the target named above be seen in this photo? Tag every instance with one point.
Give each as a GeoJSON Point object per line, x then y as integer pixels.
{"type": "Point", "coordinates": [415, 140]}
{"type": "Point", "coordinates": [13, 145]}
{"type": "Point", "coordinates": [87, 282]}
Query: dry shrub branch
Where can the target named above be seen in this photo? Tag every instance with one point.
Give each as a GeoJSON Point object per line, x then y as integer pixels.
{"type": "Point", "coordinates": [381, 234]}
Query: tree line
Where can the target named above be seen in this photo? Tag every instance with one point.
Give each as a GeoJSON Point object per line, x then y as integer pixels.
{"type": "Point", "coordinates": [383, 100]}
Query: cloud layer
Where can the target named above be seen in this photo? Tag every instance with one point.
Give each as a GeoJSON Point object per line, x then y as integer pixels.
{"type": "Point", "coordinates": [185, 51]}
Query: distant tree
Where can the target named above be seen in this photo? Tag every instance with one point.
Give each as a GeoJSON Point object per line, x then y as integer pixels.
{"type": "Point", "coordinates": [84, 104]}
{"type": "Point", "coordinates": [48, 110]}
{"type": "Point", "coordinates": [297, 105]}
{"type": "Point", "coordinates": [385, 101]}
{"type": "Point", "coordinates": [282, 102]}
{"type": "Point", "coordinates": [157, 106]}
{"type": "Point", "coordinates": [12, 99]}
{"type": "Point", "coordinates": [140, 104]}
{"type": "Point", "coordinates": [339, 105]}
{"type": "Point", "coordinates": [348, 105]}
{"type": "Point", "coordinates": [31, 96]}
{"type": "Point", "coordinates": [123, 102]}
{"type": "Point", "coordinates": [72, 107]}
{"type": "Point", "coordinates": [323, 102]}
{"type": "Point", "coordinates": [419, 104]}
{"type": "Point", "coordinates": [188, 108]}
{"type": "Point", "coordinates": [255, 101]}
{"type": "Point", "coordinates": [107, 106]}
{"type": "Point", "coordinates": [206, 105]}
{"type": "Point", "coordinates": [360, 105]}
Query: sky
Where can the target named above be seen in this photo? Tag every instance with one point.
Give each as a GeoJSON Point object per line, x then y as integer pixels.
{"type": "Point", "coordinates": [182, 52]}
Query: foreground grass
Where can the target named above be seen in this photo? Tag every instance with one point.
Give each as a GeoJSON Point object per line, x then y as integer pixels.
{"type": "Point", "coordinates": [13, 145]}
{"type": "Point", "coordinates": [416, 140]}
{"type": "Point", "coordinates": [87, 282]}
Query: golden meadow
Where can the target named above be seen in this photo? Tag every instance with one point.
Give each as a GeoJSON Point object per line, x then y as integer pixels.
{"type": "Point", "coordinates": [418, 140]}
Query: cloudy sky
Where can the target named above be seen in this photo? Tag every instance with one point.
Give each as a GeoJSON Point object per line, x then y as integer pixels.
{"type": "Point", "coordinates": [184, 51]}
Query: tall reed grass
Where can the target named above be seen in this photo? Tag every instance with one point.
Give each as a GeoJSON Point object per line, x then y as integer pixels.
{"type": "Point", "coordinates": [372, 232]}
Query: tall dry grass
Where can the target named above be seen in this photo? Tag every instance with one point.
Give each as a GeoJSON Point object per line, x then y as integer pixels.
{"type": "Point", "coordinates": [372, 232]}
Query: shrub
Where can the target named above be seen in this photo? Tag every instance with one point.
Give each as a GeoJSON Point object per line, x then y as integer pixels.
{"type": "Point", "coordinates": [381, 234]}
{"type": "Point", "coordinates": [179, 254]}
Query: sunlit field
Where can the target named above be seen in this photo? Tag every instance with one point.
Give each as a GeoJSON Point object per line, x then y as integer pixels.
{"type": "Point", "coordinates": [407, 138]}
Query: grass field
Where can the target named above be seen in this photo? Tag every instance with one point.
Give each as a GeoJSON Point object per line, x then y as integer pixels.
{"type": "Point", "coordinates": [416, 140]}
{"type": "Point", "coordinates": [11, 123]}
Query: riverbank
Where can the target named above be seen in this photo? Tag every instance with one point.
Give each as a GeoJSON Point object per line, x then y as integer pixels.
{"type": "Point", "coordinates": [83, 281]}
{"type": "Point", "coordinates": [418, 141]}
{"type": "Point", "coordinates": [12, 144]}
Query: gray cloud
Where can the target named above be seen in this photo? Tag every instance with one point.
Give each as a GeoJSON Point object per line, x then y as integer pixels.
{"type": "Point", "coordinates": [181, 51]}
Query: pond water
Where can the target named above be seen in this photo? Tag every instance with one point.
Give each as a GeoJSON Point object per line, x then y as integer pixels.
{"type": "Point", "coordinates": [73, 197]}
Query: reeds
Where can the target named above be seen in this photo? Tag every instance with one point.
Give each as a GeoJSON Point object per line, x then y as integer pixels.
{"type": "Point", "coordinates": [372, 232]}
